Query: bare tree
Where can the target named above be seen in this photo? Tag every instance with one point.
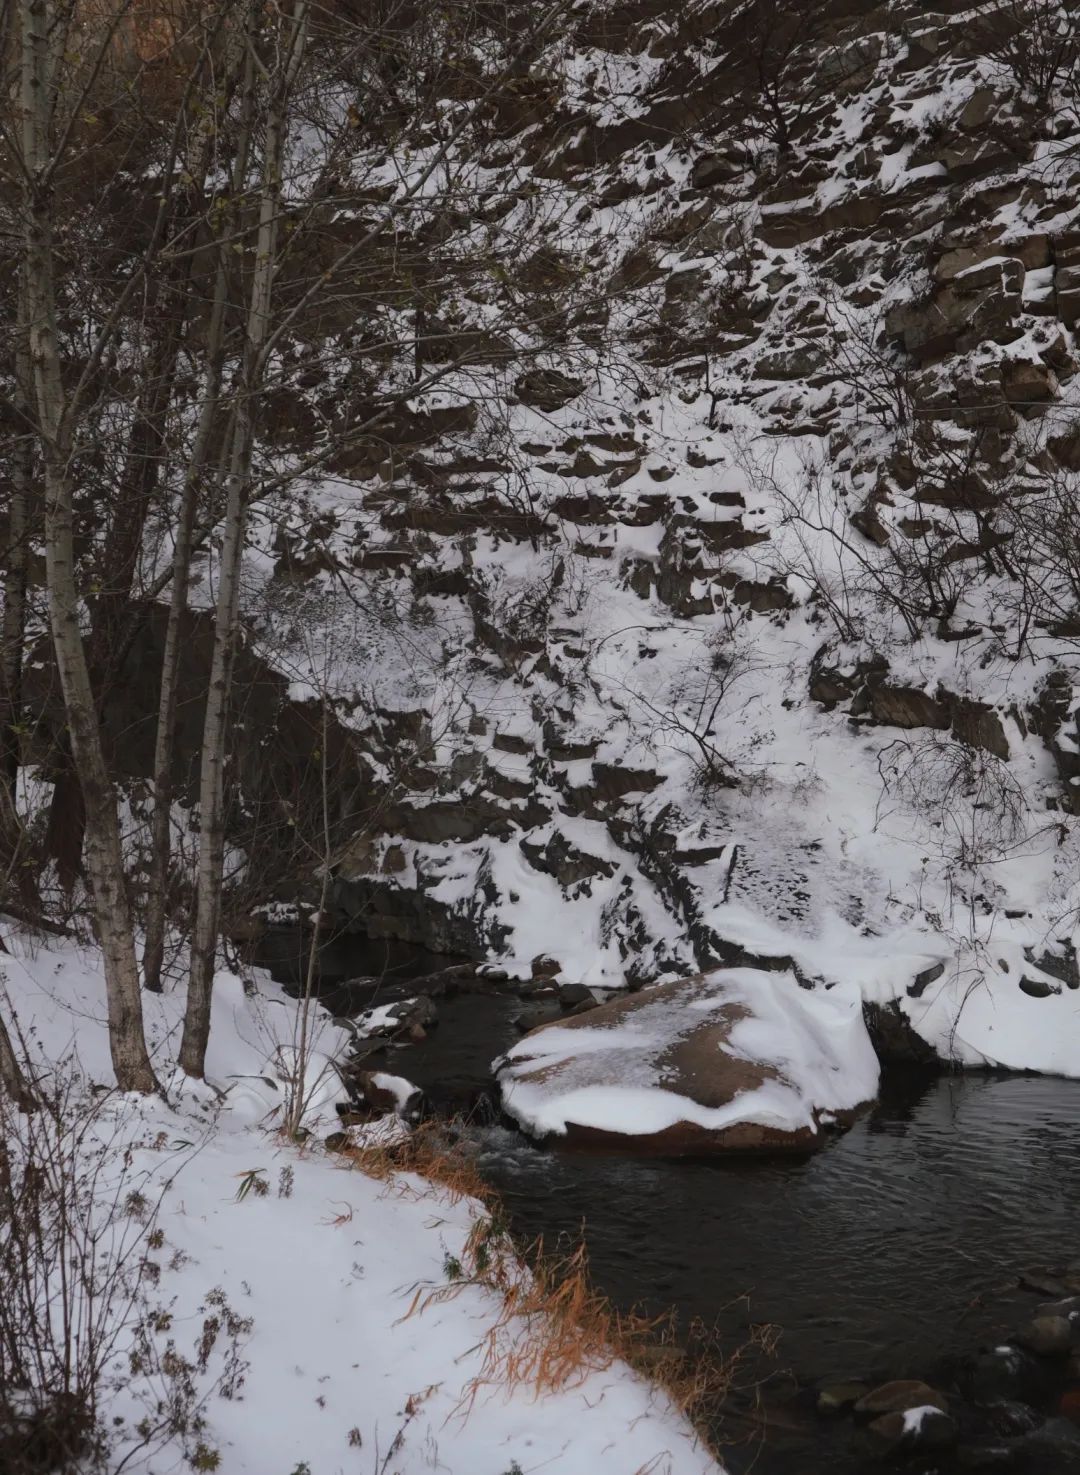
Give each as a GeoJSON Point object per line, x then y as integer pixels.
{"type": "Point", "coordinates": [768, 44]}
{"type": "Point", "coordinates": [287, 50]}
{"type": "Point", "coordinates": [20, 475]}
{"type": "Point", "coordinates": [1038, 44]}
{"type": "Point", "coordinates": [56, 417]}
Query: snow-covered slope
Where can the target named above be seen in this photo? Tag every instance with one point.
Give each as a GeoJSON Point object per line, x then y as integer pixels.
{"type": "Point", "coordinates": [742, 625]}
{"type": "Point", "coordinates": [309, 1271]}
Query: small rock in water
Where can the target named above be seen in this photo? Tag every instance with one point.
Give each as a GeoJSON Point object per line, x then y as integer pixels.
{"type": "Point", "coordinates": [1046, 1336]}
{"type": "Point", "coordinates": [925, 1427]}
{"type": "Point", "coordinates": [537, 1014]}
{"type": "Point", "coordinates": [571, 994]}
{"type": "Point", "coordinates": [898, 1397]}
{"type": "Point", "coordinates": [1042, 1281]}
{"type": "Point", "coordinates": [1067, 1307]}
{"type": "Point", "coordinates": [1002, 1374]}
{"type": "Point", "coordinates": [835, 1398]}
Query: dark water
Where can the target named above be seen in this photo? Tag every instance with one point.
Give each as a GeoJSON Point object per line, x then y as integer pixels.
{"type": "Point", "coordinates": [892, 1248]}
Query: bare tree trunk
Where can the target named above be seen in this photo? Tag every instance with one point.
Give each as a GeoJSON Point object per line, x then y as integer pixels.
{"type": "Point", "coordinates": [299, 1101]}
{"type": "Point", "coordinates": [13, 629]}
{"type": "Point", "coordinates": [104, 856]}
{"type": "Point", "coordinates": [12, 1079]}
{"type": "Point", "coordinates": [165, 737]}
{"type": "Point", "coordinates": [292, 39]}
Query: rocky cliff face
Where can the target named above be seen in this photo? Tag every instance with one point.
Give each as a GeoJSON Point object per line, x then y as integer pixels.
{"type": "Point", "coordinates": [740, 621]}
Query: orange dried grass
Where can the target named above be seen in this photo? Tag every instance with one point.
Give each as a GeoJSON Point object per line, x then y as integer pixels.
{"type": "Point", "coordinates": [554, 1328]}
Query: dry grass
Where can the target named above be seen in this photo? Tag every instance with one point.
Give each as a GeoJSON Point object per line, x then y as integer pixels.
{"type": "Point", "coordinates": [554, 1328]}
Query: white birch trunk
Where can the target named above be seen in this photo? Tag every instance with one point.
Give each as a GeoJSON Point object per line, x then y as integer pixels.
{"type": "Point", "coordinates": [104, 856]}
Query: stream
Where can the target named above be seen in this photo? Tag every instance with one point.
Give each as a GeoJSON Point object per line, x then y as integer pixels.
{"type": "Point", "coordinates": [894, 1249]}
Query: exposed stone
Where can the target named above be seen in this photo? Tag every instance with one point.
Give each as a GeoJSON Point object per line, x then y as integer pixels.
{"type": "Point", "coordinates": [612, 781]}
{"type": "Point", "coordinates": [798, 362]}
{"type": "Point", "coordinates": [547, 389]}
{"type": "Point", "coordinates": [1001, 1373]}
{"type": "Point", "coordinates": [713, 169]}
{"type": "Point", "coordinates": [572, 994]}
{"type": "Point", "coordinates": [978, 725]}
{"type": "Point", "coordinates": [544, 966]}
{"type": "Point", "coordinates": [383, 1093]}
{"type": "Point", "coordinates": [1067, 286]}
{"type": "Point", "coordinates": [837, 1398]}
{"type": "Point", "coordinates": [1065, 448]}
{"type": "Point", "coordinates": [1028, 384]}
{"type": "Point", "coordinates": [537, 1014]}
{"type": "Point", "coordinates": [569, 865]}
{"type": "Point", "coordinates": [1037, 988]}
{"type": "Point", "coordinates": [1059, 959]}
{"type": "Point", "coordinates": [897, 1397]}
{"type": "Point", "coordinates": [1046, 1336]}
{"type": "Point", "coordinates": [906, 706]}
{"type": "Point", "coordinates": [922, 981]}
{"type": "Point", "coordinates": [894, 1037]}
{"type": "Point", "coordinates": [866, 521]}
{"type": "Point", "coordinates": [981, 303]}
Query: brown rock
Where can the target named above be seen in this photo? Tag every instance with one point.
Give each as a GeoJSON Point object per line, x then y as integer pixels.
{"type": "Point", "coordinates": [899, 1396]}
{"type": "Point", "coordinates": [979, 726]}
{"type": "Point", "coordinates": [1065, 448]}
{"type": "Point", "coordinates": [1067, 284]}
{"type": "Point", "coordinates": [1046, 1336]}
{"type": "Point", "coordinates": [547, 389]}
{"type": "Point", "coordinates": [906, 706]}
{"type": "Point", "coordinates": [545, 967]}
{"type": "Point", "coordinates": [689, 1059]}
{"type": "Point", "coordinates": [713, 169]}
{"type": "Point", "coordinates": [1027, 383]}
{"type": "Point", "coordinates": [865, 520]}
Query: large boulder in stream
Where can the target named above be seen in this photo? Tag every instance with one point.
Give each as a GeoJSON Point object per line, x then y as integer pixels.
{"type": "Point", "coordinates": [738, 1060]}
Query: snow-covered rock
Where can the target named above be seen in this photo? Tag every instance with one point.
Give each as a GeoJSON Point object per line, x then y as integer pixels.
{"type": "Point", "coordinates": [734, 1060]}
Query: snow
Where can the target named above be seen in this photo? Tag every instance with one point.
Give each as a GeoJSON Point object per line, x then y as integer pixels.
{"type": "Point", "coordinates": [913, 1417]}
{"type": "Point", "coordinates": [608, 1078]}
{"type": "Point", "coordinates": [344, 1372]}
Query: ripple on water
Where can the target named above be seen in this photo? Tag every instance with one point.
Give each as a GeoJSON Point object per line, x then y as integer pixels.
{"type": "Point", "coordinates": [880, 1253]}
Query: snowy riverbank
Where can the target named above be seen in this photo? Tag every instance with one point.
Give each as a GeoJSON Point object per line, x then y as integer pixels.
{"type": "Point", "coordinates": [312, 1267]}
